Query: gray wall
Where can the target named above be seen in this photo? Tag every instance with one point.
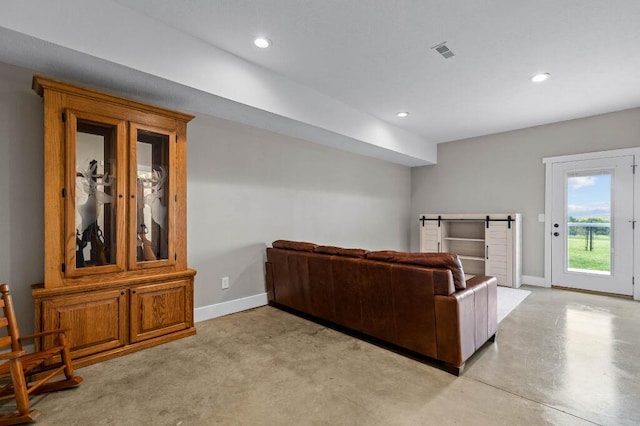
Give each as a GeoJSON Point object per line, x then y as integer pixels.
{"type": "Point", "coordinates": [247, 187]}
{"type": "Point", "coordinates": [21, 189]}
{"type": "Point", "coordinates": [504, 173]}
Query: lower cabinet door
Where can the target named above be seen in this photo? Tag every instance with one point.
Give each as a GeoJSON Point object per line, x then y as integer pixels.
{"type": "Point", "coordinates": [97, 322]}
{"type": "Point", "coordinates": [159, 309]}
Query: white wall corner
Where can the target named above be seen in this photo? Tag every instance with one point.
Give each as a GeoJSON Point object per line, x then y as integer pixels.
{"type": "Point", "coordinates": [535, 281]}
{"type": "Point", "coordinates": [204, 313]}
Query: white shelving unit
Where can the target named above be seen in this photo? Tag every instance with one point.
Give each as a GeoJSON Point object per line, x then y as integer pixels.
{"type": "Point", "coordinates": [487, 244]}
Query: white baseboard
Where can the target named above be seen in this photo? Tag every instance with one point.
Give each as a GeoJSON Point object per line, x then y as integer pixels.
{"type": "Point", "coordinates": [535, 281]}
{"type": "Point", "coordinates": [231, 307]}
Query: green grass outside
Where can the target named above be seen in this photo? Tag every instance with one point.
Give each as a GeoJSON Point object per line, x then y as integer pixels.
{"type": "Point", "coordinates": [597, 260]}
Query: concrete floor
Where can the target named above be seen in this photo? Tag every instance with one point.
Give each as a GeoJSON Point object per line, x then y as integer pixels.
{"type": "Point", "coordinates": [560, 358]}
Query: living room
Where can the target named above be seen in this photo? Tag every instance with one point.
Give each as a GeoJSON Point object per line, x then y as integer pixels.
{"type": "Point", "coordinates": [249, 185]}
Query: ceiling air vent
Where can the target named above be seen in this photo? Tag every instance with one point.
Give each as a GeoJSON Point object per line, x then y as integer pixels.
{"type": "Point", "coordinates": [443, 50]}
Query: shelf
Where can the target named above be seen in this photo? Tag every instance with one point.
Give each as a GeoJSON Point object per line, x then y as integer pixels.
{"type": "Point", "coordinates": [463, 257]}
{"type": "Point", "coordinates": [480, 240]}
{"type": "Point", "coordinates": [471, 237]}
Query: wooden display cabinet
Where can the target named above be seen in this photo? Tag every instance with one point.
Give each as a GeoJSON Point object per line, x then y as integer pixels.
{"type": "Point", "coordinates": [115, 193]}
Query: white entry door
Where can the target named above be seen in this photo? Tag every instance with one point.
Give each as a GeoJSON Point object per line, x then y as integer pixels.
{"type": "Point", "coordinates": [592, 224]}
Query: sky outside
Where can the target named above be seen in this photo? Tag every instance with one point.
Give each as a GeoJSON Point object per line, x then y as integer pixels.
{"type": "Point", "coordinates": [589, 195]}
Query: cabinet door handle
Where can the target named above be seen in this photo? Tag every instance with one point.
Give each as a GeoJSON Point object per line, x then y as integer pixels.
{"type": "Point", "coordinates": [486, 252]}
{"type": "Point", "coordinates": [438, 246]}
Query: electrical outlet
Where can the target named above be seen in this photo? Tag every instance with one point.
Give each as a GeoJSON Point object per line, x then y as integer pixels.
{"type": "Point", "coordinates": [225, 283]}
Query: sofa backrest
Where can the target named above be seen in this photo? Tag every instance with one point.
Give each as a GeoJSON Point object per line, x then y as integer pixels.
{"type": "Point", "coordinates": [449, 261]}
{"type": "Point", "coordinates": [339, 251]}
{"type": "Point", "coordinates": [382, 294]}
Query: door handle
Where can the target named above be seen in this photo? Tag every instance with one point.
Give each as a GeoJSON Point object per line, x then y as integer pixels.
{"type": "Point", "coordinates": [556, 234]}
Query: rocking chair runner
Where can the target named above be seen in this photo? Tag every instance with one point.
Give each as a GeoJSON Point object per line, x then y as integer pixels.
{"type": "Point", "coordinates": [28, 373]}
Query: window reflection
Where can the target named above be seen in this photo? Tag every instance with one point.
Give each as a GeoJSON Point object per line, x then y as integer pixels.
{"type": "Point", "coordinates": [589, 350]}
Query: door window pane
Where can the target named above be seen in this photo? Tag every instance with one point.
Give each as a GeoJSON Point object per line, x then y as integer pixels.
{"type": "Point", "coordinates": [589, 221]}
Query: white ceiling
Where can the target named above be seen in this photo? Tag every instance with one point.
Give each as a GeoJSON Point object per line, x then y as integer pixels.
{"type": "Point", "coordinates": [376, 55]}
{"type": "Point", "coordinates": [366, 60]}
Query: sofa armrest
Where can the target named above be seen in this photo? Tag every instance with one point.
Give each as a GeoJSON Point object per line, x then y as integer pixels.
{"type": "Point", "coordinates": [466, 319]}
{"type": "Point", "coordinates": [486, 297]}
{"type": "Point", "coordinates": [455, 327]}
{"type": "Point", "coordinates": [479, 280]}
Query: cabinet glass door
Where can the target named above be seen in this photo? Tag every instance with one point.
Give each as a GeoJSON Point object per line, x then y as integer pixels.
{"type": "Point", "coordinates": [152, 197]}
{"type": "Point", "coordinates": [94, 203]}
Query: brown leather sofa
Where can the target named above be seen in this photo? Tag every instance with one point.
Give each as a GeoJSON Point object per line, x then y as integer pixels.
{"type": "Point", "coordinates": [416, 301]}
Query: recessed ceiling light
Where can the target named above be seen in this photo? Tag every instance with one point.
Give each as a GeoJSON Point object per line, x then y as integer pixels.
{"type": "Point", "coordinates": [539, 78]}
{"type": "Point", "coordinates": [402, 114]}
{"type": "Point", "coordinates": [262, 42]}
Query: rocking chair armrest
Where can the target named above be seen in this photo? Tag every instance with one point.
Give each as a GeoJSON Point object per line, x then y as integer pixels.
{"type": "Point", "coordinates": [12, 355]}
{"type": "Point", "coordinates": [43, 333]}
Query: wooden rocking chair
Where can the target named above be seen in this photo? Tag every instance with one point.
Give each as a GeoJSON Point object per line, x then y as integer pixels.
{"type": "Point", "coordinates": [28, 373]}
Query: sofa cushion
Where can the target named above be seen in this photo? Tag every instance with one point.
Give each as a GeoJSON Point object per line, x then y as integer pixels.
{"type": "Point", "coordinates": [449, 261]}
{"type": "Point", "coordinates": [386, 255]}
{"type": "Point", "coordinates": [294, 245]}
{"type": "Point", "coordinates": [339, 251]}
